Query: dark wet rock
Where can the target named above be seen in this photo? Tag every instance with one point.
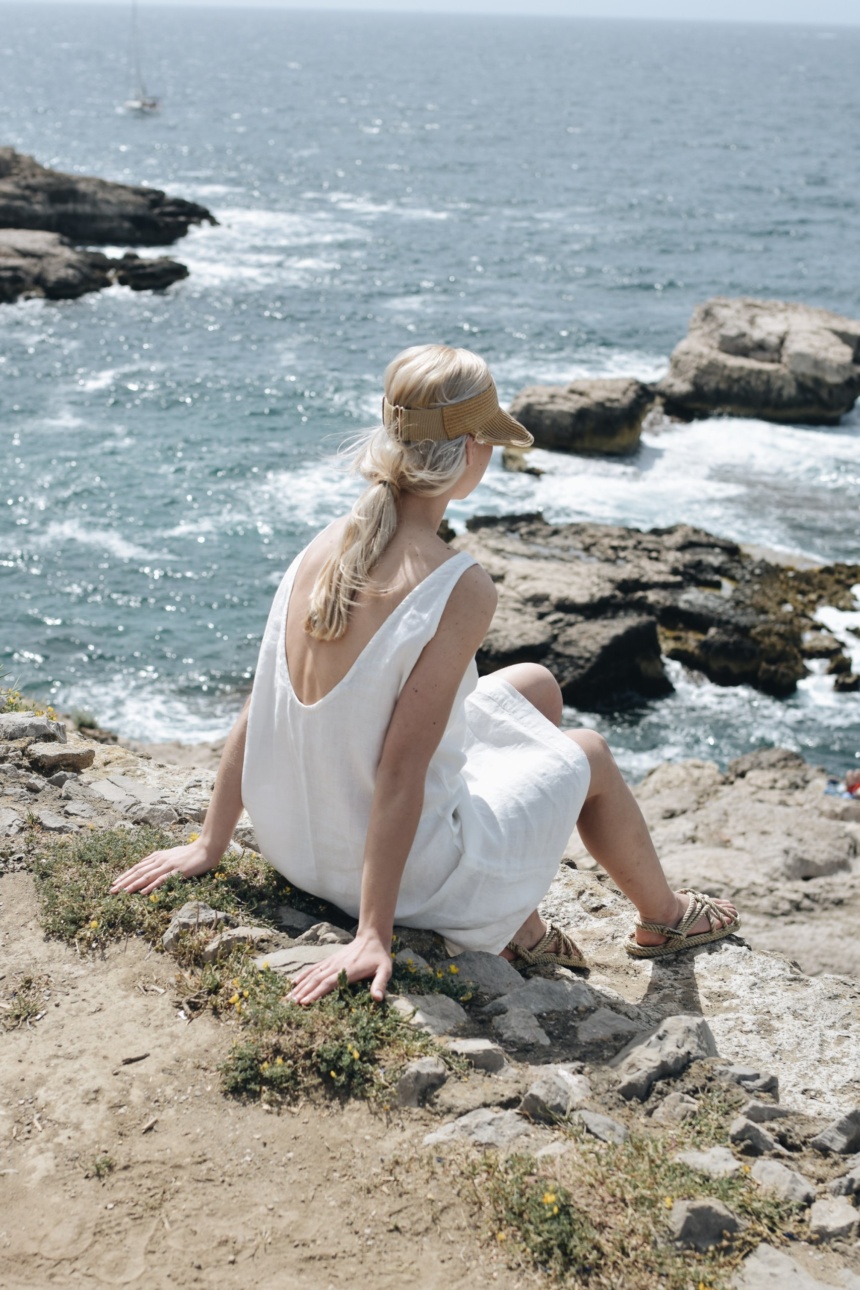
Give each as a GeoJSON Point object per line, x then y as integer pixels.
{"type": "Point", "coordinates": [587, 416]}
{"type": "Point", "coordinates": [601, 605]}
{"type": "Point", "coordinates": [666, 1050]}
{"type": "Point", "coordinates": [702, 1224]}
{"type": "Point", "coordinates": [767, 359]}
{"type": "Point", "coordinates": [86, 209]}
{"type": "Point", "coordinates": [34, 264]}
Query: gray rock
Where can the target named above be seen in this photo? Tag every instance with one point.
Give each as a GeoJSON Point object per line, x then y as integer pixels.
{"type": "Point", "coordinates": [39, 264]}
{"type": "Point", "coordinates": [483, 1054]}
{"type": "Point", "coordinates": [78, 810]}
{"type": "Point", "coordinates": [519, 1029]}
{"type": "Point", "coordinates": [764, 1112]}
{"type": "Point", "coordinates": [750, 1079]}
{"type": "Point", "coordinates": [770, 1269]}
{"type": "Point", "coordinates": [54, 823]}
{"type": "Point", "coordinates": [434, 1013]}
{"type": "Point", "coordinates": [781, 1181]}
{"type": "Point", "coordinates": [26, 725]}
{"type": "Point", "coordinates": [847, 1184]}
{"type": "Point", "coordinates": [716, 1162]}
{"type": "Point", "coordinates": [766, 359]}
{"type": "Point", "coordinates": [294, 921]}
{"type": "Point", "coordinates": [588, 416]}
{"type": "Point", "coordinates": [235, 938]}
{"type": "Point", "coordinates": [702, 1224]}
{"type": "Point", "coordinates": [666, 1050]}
{"type": "Point", "coordinates": [419, 1080]}
{"type": "Point", "coordinates": [492, 974]}
{"type": "Point", "coordinates": [833, 1218]}
{"type": "Point", "coordinates": [90, 210]}
{"type": "Point", "coordinates": [409, 959]}
{"type": "Point", "coordinates": [555, 1095]}
{"type": "Point", "coordinates": [840, 1138]}
{"type": "Point", "coordinates": [602, 1126]}
{"type": "Point", "coordinates": [540, 995]}
{"type": "Point", "coordinates": [483, 1127]}
{"type": "Point", "coordinates": [324, 934]}
{"type": "Point", "coordinates": [290, 962]}
{"type": "Point", "coordinates": [10, 822]}
{"type": "Point", "coordinates": [675, 1108]}
{"type": "Point", "coordinates": [751, 1137]}
{"type": "Point", "coordinates": [49, 758]}
{"type": "Point", "coordinates": [605, 1027]}
{"type": "Point", "coordinates": [118, 797]}
{"type": "Point", "coordinates": [157, 817]}
{"type": "Point", "coordinates": [192, 917]}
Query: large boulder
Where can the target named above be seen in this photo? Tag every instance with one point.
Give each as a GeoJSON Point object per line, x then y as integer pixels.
{"type": "Point", "coordinates": [765, 358]}
{"type": "Point", "coordinates": [601, 606]}
{"type": "Point", "coordinates": [48, 265]}
{"type": "Point", "coordinates": [585, 416]}
{"type": "Point", "coordinates": [90, 210]}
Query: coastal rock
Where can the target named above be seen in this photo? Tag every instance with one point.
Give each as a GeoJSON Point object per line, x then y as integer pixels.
{"type": "Point", "coordinates": [783, 1182]}
{"type": "Point", "coordinates": [86, 209]}
{"type": "Point", "coordinates": [840, 1138]}
{"type": "Point", "coordinates": [26, 725]}
{"type": "Point", "coordinates": [236, 938]}
{"type": "Point", "coordinates": [420, 1079]}
{"type": "Point", "coordinates": [702, 1224]}
{"type": "Point", "coordinates": [751, 1137]}
{"type": "Point", "coordinates": [833, 1218]}
{"type": "Point", "coordinates": [48, 265]}
{"type": "Point", "coordinates": [519, 1028]}
{"type": "Point", "coordinates": [847, 1184]}
{"type": "Point", "coordinates": [765, 358]}
{"type": "Point", "coordinates": [716, 1162]}
{"type": "Point", "coordinates": [588, 416]}
{"type": "Point", "coordinates": [50, 758]}
{"type": "Point", "coordinates": [554, 1095]}
{"type": "Point", "coordinates": [600, 605]}
{"type": "Point", "coordinates": [434, 1013]}
{"type": "Point", "coordinates": [667, 1050]}
{"type": "Point", "coordinates": [771, 1269]}
{"type": "Point", "coordinates": [484, 1128]}
{"type": "Point", "coordinates": [602, 1127]}
{"type": "Point", "coordinates": [492, 974]}
{"type": "Point", "coordinates": [483, 1054]}
{"type": "Point", "coordinates": [194, 916]}
{"type": "Point", "coordinates": [675, 1108]}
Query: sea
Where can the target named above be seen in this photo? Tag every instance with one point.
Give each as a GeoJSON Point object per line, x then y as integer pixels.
{"type": "Point", "coordinates": [556, 194]}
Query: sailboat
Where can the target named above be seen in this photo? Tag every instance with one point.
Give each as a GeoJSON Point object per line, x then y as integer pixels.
{"type": "Point", "coordinates": [140, 103]}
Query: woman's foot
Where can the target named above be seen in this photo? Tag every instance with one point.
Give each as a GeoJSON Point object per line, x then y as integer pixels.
{"type": "Point", "coordinates": [725, 911]}
{"type": "Point", "coordinates": [546, 940]}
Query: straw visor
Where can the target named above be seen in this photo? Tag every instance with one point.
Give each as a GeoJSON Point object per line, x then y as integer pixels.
{"type": "Point", "coordinates": [480, 416]}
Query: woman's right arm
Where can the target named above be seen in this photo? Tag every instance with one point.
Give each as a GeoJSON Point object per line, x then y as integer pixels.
{"type": "Point", "coordinates": [222, 816]}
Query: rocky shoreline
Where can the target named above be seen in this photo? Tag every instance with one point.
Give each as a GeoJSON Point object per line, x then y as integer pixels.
{"type": "Point", "coordinates": [50, 220]}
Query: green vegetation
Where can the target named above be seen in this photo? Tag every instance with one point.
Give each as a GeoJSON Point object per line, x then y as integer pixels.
{"type": "Point", "coordinates": [347, 1044]}
{"type": "Point", "coordinates": [12, 700]}
{"type": "Point", "coordinates": [100, 1167]}
{"type": "Point", "coordinates": [24, 1002]}
{"type": "Point", "coordinates": [601, 1209]}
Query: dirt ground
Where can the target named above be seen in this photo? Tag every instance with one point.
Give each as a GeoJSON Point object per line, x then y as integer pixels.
{"type": "Point", "coordinates": [204, 1191]}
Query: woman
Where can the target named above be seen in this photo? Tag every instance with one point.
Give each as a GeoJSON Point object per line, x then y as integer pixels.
{"type": "Point", "coordinates": [379, 773]}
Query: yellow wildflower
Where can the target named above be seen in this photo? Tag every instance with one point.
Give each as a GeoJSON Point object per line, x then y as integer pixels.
{"type": "Point", "coordinates": [745, 1169]}
{"type": "Point", "coordinates": [192, 837]}
{"type": "Point", "coordinates": [94, 922]}
{"type": "Point", "coordinates": [235, 999]}
{"type": "Point", "coordinates": [265, 963]}
{"type": "Point", "coordinates": [333, 1074]}
{"type": "Point", "coordinates": [668, 1202]}
{"type": "Point", "coordinates": [279, 1061]}
{"type": "Point", "coordinates": [265, 1066]}
{"type": "Point", "coordinates": [439, 972]}
{"type": "Point", "coordinates": [549, 1197]}
{"type": "Point", "coordinates": [453, 969]}
{"type": "Point", "coordinates": [245, 993]}
{"type": "Point", "coordinates": [154, 897]}
{"type": "Point", "coordinates": [501, 1236]}
{"type": "Point", "coordinates": [354, 1054]}
{"type": "Point", "coordinates": [235, 981]}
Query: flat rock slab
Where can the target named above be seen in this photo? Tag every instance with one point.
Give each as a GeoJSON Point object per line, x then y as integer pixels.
{"type": "Point", "coordinates": [436, 1014]}
{"type": "Point", "coordinates": [540, 995]}
{"type": "Point", "coordinates": [492, 974]}
{"type": "Point", "coordinates": [833, 1218]}
{"type": "Point", "coordinates": [48, 758]}
{"type": "Point", "coordinates": [519, 1028]}
{"type": "Point", "coordinates": [770, 1269]}
{"type": "Point", "coordinates": [602, 1127]}
{"type": "Point", "coordinates": [484, 1128]}
{"type": "Point", "coordinates": [291, 961]}
{"type": "Point", "coordinates": [483, 1054]}
{"type": "Point", "coordinates": [716, 1162]}
{"type": "Point", "coordinates": [781, 1181]}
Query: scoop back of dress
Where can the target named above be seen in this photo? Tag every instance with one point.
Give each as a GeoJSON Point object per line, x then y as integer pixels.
{"type": "Point", "coordinates": [503, 789]}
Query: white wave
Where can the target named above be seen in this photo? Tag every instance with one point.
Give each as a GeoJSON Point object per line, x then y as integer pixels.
{"type": "Point", "coordinates": [60, 532]}
{"type": "Point", "coordinates": [141, 708]}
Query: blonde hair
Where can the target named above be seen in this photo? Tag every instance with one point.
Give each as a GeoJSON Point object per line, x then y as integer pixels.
{"type": "Point", "coordinates": [424, 376]}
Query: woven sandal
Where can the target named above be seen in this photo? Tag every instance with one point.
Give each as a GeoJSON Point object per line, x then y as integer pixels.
{"type": "Point", "coordinates": [565, 954]}
{"type": "Point", "coordinates": [678, 937]}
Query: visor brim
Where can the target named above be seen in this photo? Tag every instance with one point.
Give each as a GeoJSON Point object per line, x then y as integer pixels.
{"type": "Point", "coordinates": [502, 431]}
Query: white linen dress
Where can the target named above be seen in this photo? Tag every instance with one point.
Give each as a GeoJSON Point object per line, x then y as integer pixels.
{"type": "Point", "coordinates": [503, 790]}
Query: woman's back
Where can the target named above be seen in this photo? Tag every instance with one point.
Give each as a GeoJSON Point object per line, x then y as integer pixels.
{"type": "Point", "coordinates": [316, 667]}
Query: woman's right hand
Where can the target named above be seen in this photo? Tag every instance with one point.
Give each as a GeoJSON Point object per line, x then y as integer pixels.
{"type": "Point", "coordinates": [189, 861]}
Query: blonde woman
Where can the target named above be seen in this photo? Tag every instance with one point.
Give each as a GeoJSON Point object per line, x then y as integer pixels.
{"type": "Point", "coordinates": [378, 771]}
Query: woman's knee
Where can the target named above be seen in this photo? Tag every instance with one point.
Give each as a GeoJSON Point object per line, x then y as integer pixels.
{"type": "Point", "coordinates": [537, 684]}
{"type": "Point", "coordinates": [600, 759]}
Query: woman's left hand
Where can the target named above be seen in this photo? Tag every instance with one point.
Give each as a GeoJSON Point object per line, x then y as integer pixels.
{"type": "Point", "coordinates": [367, 956]}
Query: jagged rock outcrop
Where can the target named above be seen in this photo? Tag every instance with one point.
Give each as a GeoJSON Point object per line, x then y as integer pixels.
{"type": "Point", "coordinates": [600, 605]}
{"type": "Point", "coordinates": [86, 209]}
{"type": "Point", "coordinates": [48, 265]}
{"type": "Point", "coordinates": [765, 358]}
{"type": "Point", "coordinates": [587, 416]}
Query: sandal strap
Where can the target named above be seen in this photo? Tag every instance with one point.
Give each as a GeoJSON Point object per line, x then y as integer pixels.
{"type": "Point", "coordinates": [541, 953]}
{"type": "Point", "coordinates": [697, 905]}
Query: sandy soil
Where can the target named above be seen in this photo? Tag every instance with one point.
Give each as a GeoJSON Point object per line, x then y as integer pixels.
{"type": "Point", "coordinates": [205, 1191]}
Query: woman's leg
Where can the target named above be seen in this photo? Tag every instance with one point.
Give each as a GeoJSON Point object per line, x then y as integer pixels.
{"type": "Point", "coordinates": [610, 824]}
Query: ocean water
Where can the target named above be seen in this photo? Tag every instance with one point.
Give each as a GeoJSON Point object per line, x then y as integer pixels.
{"type": "Point", "coordinates": [556, 194]}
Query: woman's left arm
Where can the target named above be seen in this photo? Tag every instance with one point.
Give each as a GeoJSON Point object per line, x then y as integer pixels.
{"type": "Point", "coordinates": [416, 727]}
